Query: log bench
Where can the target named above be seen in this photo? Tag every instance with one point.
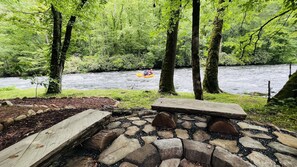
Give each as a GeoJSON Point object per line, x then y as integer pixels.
{"type": "Point", "coordinates": [220, 113]}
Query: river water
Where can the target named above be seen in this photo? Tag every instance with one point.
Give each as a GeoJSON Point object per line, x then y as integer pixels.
{"type": "Point", "coordinates": [235, 79]}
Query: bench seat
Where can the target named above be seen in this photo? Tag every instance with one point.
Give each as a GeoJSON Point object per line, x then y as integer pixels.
{"type": "Point", "coordinates": [199, 107]}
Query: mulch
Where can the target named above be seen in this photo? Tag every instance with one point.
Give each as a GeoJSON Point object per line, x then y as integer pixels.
{"type": "Point", "coordinates": [58, 110]}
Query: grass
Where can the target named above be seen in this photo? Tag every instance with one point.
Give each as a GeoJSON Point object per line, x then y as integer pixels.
{"type": "Point", "coordinates": [285, 117]}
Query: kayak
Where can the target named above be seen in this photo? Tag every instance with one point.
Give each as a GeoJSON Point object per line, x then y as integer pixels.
{"type": "Point", "coordinates": [140, 75]}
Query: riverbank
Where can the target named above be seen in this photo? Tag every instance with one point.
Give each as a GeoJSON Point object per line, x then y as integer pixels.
{"type": "Point", "coordinates": [236, 80]}
{"type": "Point", "coordinates": [282, 116]}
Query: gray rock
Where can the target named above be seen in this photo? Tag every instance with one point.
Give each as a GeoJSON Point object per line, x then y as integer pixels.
{"type": "Point", "coordinates": [31, 112]}
{"type": "Point", "coordinates": [283, 148]}
{"type": "Point", "coordinates": [139, 122]}
{"type": "Point", "coordinates": [244, 125]}
{"type": "Point", "coordinates": [286, 160]}
{"type": "Point", "coordinates": [132, 130]}
{"type": "Point", "coordinates": [286, 139]}
{"type": "Point", "coordinates": [150, 120]}
{"type": "Point", "coordinates": [133, 118]}
{"type": "Point", "coordinates": [187, 118]}
{"type": "Point", "coordinates": [146, 156]}
{"type": "Point", "coordinates": [181, 133]}
{"type": "Point", "coordinates": [20, 117]}
{"type": "Point", "coordinates": [118, 131]}
{"type": "Point", "coordinates": [113, 125]}
{"type": "Point", "coordinates": [170, 163]}
{"type": "Point", "coordinates": [201, 125]}
{"type": "Point", "coordinates": [101, 140]}
{"type": "Point", "coordinates": [230, 145]}
{"type": "Point", "coordinates": [251, 143]}
{"type": "Point", "coordinates": [256, 135]}
{"type": "Point", "coordinates": [198, 152]}
{"type": "Point", "coordinates": [260, 160]}
{"type": "Point", "coordinates": [165, 134]}
{"type": "Point", "coordinates": [201, 135]}
{"type": "Point", "coordinates": [165, 120]}
{"type": "Point", "coordinates": [126, 124]}
{"type": "Point", "coordinates": [148, 128]}
{"type": "Point", "coordinates": [7, 103]}
{"type": "Point", "coordinates": [169, 148]}
{"type": "Point", "coordinates": [81, 162]}
{"type": "Point", "coordinates": [127, 164]}
{"type": "Point", "coordinates": [149, 116]}
{"type": "Point", "coordinates": [118, 150]}
{"type": "Point", "coordinates": [179, 121]}
{"type": "Point", "coordinates": [42, 111]}
{"type": "Point", "coordinates": [69, 107]}
{"type": "Point", "coordinates": [223, 158]}
{"type": "Point", "coordinates": [187, 125]}
{"type": "Point", "coordinates": [274, 127]}
{"type": "Point", "coordinates": [202, 119]}
{"type": "Point", "coordinates": [149, 139]}
{"type": "Point", "coordinates": [186, 163]}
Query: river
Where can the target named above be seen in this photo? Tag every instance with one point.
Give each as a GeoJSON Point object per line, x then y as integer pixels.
{"type": "Point", "coordinates": [232, 79]}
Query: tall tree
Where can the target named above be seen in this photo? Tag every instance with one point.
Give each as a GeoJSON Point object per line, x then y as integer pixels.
{"type": "Point", "coordinates": [210, 82]}
{"type": "Point", "coordinates": [58, 55]}
{"type": "Point", "coordinates": [166, 84]}
{"type": "Point", "coordinates": [195, 51]}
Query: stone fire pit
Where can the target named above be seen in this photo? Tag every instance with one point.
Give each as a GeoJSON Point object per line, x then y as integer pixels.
{"type": "Point", "coordinates": [131, 141]}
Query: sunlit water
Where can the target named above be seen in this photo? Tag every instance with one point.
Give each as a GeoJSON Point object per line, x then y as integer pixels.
{"type": "Point", "coordinates": [238, 79]}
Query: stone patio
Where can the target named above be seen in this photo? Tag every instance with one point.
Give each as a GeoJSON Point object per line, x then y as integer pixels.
{"type": "Point", "coordinates": [131, 141]}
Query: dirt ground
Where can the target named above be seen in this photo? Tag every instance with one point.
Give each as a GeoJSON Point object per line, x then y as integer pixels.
{"type": "Point", "coordinates": [57, 109]}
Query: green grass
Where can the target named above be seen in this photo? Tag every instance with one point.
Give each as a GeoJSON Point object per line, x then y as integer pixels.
{"type": "Point", "coordinates": [254, 105]}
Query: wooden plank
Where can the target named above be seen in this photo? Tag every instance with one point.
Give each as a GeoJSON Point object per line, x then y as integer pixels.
{"type": "Point", "coordinates": [35, 149]}
{"type": "Point", "coordinates": [191, 106]}
{"type": "Point", "coordinates": [10, 155]}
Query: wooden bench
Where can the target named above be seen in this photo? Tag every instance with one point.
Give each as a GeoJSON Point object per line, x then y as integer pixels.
{"type": "Point", "coordinates": [220, 113]}
{"type": "Point", "coordinates": [41, 148]}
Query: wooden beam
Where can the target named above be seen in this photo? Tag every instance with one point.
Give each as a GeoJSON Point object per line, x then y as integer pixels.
{"type": "Point", "coordinates": [41, 147]}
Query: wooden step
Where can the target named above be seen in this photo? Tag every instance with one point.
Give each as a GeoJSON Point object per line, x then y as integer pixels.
{"type": "Point", "coordinates": [199, 107]}
{"type": "Point", "coordinates": [38, 148]}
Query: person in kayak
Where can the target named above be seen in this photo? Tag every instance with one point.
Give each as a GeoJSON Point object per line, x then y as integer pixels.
{"type": "Point", "coordinates": [148, 72]}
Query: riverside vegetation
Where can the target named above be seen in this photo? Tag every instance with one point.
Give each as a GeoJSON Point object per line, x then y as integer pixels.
{"type": "Point", "coordinates": [131, 34]}
{"type": "Point", "coordinates": [284, 116]}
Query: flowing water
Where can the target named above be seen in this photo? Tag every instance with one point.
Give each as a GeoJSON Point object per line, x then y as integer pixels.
{"type": "Point", "coordinates": [236, 79]}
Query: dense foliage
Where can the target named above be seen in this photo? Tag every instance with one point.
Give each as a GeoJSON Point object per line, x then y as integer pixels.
{"type": "Point", "coordinates": [131, 34]}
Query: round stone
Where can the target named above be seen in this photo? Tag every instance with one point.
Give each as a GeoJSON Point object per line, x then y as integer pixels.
{"type": "Point", "coordinates": [201, 135]}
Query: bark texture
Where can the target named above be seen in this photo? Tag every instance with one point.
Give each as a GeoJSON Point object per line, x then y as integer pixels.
{"type": "Point", "coordinates": [166, 84]}
{"type": "Point", "coordinates": [195, 51]}
{"type": "Point", "coordinates": [59, 51]}
{"type": "Point", "coordinates": [210, 82]}
{"type": "Point", "coordinates": [55, 77]}
{"type": "Point", "coordinates": [289, 90]}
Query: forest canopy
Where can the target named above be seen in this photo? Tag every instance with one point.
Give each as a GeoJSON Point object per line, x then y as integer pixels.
{"type": "Point", "coordinates": [131, 34]}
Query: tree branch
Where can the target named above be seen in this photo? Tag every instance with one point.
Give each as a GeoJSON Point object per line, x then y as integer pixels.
{"type": "Point", "coordinates": [258, 31]}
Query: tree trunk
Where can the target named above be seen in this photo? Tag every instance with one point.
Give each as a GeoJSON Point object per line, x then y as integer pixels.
{"type": "Point", "coordinates": [59, 52]}
{"type": "Point", "coordinates": [167, 73]}
{"type": "Point", "coordinates": [210, 82]}
{"type": "Point", "coordinates": [289, 90]}
{"type": "Point", "coordinates": [195, 51]}
{"type": "Point", "coordinates": [55, 77]}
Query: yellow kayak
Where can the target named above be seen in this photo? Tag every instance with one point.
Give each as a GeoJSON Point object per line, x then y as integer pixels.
{"type": "Point", "coordinates": [144, 76]}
